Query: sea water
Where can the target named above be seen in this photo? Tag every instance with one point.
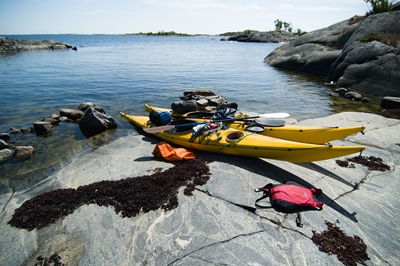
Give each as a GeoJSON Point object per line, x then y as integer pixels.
{"type": "Point", "coordinates": [121, 73]}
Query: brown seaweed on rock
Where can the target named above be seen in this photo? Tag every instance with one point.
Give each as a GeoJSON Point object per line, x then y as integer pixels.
{"type": "Point", "coordinates": [349, 250]}
{"type": "Point", "coordinates": [391, 113]}
{"type": "Point", "coordinates": [54, 260]}
{"type": "Point", "coordinates": [373, 163]}
{"type": "Point", "coordinates": [128, 196]}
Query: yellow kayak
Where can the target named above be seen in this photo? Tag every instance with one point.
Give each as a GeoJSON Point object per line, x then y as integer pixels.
{"type": "Point", "coordinates": [236, 142]}
{"type": "Point", "coordinates": [315, 135]}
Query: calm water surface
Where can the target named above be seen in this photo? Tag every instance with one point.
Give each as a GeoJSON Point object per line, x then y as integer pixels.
{"type": "Point", "coordinates": [121, 73]}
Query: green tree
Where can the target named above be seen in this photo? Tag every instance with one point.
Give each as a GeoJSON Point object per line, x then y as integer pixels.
{"type": "Point", "coordinates": [287, 26]}
{"type": "Point", "coordinates": [379, 6]}
{"type": "Point", "coordinates": [278, 24]}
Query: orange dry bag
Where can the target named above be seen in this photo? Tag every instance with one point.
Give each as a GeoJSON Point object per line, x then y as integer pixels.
{"type": "Point", "coordinates": [166, 151]}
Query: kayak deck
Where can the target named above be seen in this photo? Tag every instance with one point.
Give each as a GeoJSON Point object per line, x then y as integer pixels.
{"type": "Point", "coordinates": [236, 142]}
{"type": "Point", "coordinates": [314, 135]}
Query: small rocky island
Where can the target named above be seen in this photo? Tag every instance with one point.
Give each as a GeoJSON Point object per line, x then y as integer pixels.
{"type": "Point", "coordinates": [262, 36]}
{"type": "Point", "coordinates": [9, 45]}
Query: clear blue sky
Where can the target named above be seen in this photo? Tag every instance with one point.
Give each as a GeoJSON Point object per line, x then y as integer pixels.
{"type": "Point", "coordinates": [183, 16]}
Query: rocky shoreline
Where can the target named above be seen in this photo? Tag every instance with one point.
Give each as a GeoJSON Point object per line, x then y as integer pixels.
{"type": "Point", "coordinates": [358, 54]}
{"type": "Point", "coordinates": [9, 45]}
{"type": "Point", "coordinates": [92, 120]}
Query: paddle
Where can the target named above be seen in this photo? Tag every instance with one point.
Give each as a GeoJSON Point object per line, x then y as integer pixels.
{"type": "Point", "coordinates": [209, 114]}
{"type": "Point", "coordinates": [167, 127]}
{"type": "Point", "coordinates": [275, 115]}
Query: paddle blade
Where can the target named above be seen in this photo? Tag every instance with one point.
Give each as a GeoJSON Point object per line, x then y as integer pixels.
{"type": "Point", "coordinates": [158, 129]}
{"type": "Point", "coordinates": [275, 115]}
{"type": "Point", "coordinates": [268, 122]}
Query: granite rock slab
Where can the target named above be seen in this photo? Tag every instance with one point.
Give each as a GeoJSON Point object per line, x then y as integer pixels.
{"type": "Point", "coordinates": [218, 225]}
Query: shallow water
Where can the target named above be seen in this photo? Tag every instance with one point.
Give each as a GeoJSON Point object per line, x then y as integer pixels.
{"type": "Point", "coordinates": [121, 73]}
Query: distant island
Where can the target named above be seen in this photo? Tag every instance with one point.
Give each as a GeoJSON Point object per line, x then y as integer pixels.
{"type": "Point", "coordinates": [240, 36]}
{"type": "Point", "coordinates": [161, 33]}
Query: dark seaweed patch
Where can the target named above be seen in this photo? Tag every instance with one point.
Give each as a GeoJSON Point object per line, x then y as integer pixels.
{"type": "Point", "coordinates": [128, 196]}
{"type": "Point", "coordinates": [373, 163]}
{"type": "Point", "coordinates": [391, 113]}
{"type": "Point", "coordinates": [349, 250]}
{"type": "Point", "coordinates": [54, 260]}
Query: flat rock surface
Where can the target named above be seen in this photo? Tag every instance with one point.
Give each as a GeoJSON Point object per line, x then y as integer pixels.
{"type": "Point", "coordinates": [212, 227]}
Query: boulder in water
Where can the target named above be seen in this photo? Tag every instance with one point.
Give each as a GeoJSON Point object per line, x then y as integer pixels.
{"type": "Point", "coordinates": [23, 152]}
{"type": "Point", "coordinates": [42, 128]}
{"type": "Point", "coordinates": [93, 122]}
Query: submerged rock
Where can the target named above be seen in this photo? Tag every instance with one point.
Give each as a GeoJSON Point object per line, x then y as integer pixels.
{"type": "Point", "coordinates": [5, 154]}
{"type": "Point", "coordinates": [3, 144]}
{"type": "Point", "coordinates": [23, 152]}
